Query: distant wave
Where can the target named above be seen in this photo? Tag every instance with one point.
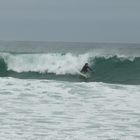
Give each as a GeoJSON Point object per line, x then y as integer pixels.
{"type": "Point", "coordinates": [56, 66]}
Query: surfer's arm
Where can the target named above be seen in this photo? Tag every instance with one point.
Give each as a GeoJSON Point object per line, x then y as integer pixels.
{"type": "Point", "coordinates": [90, 69]}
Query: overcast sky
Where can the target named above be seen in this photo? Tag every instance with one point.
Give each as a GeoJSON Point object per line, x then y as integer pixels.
{"type": "Point", "coordinates": [70, 20]}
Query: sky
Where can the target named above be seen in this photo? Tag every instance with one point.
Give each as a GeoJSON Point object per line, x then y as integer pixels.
{"type": "Point", "coordinates": [70, 20]}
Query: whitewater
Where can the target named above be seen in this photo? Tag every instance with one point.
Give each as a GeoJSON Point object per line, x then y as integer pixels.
{"type": "Point", "coordinates": [43, 97]}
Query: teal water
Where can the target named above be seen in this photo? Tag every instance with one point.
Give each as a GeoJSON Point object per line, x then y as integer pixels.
{"type": "Point", "coordinates": [112, 63]}
{"type": "Point", "coordinates": [110, 70]}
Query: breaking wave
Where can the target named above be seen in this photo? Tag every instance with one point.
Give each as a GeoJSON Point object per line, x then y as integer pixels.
{"type": "Point", "coordinates": [57, 66]}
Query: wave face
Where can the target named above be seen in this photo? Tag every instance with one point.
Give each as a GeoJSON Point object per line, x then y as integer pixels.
{"type": "Point", "coordinates": [56, 66]}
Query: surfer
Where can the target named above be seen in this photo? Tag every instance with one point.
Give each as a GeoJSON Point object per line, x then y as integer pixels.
{"type": "Point", "coordinates": [86, 68]}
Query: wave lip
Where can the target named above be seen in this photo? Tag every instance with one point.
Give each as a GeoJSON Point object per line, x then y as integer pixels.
{"type": "Point", "coordinates": [111, 69]}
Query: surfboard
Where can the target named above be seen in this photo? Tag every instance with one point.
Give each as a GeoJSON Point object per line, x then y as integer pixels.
{"type": "Point", "coordinates": [84, 75]}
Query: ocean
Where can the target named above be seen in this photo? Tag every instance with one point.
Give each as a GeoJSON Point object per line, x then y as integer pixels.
{"type": "Point", "coordinates": [43, 97]}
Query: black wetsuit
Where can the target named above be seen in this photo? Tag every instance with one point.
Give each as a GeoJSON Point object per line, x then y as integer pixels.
{"type": "Point", "coordinates": [85, 69]}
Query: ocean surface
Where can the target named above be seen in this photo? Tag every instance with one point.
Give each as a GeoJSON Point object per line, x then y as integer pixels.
{"type": "Point", "coordinates": [43, 96]}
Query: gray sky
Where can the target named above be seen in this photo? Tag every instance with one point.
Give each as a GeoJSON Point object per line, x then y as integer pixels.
{"type": "Point", "coordinates": [70, 20]}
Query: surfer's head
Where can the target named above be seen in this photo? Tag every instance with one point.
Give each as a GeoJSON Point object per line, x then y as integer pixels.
{"type": "Point", "coordinates": [86, 64]}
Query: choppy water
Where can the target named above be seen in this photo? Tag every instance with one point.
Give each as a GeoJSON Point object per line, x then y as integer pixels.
{"type": "Point", "coordinates": [41, 109]}
{"type": "Point", "coordinates": [57, 104]}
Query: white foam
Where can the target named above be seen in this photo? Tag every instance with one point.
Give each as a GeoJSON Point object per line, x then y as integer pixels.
{"type": "Point", "coordinates": [42, 109]}
{"type": "Point", "coordinates": [53, 63]}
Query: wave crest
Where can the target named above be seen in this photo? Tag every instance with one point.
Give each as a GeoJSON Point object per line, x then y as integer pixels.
{"type": "Point", "coordinates": [111, 69]}
{"type": "Point", "coordinates": [52, 63]}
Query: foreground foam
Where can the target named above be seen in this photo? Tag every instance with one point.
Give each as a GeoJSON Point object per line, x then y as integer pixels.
{"type": "Point", "coordinates": [46, 109]}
